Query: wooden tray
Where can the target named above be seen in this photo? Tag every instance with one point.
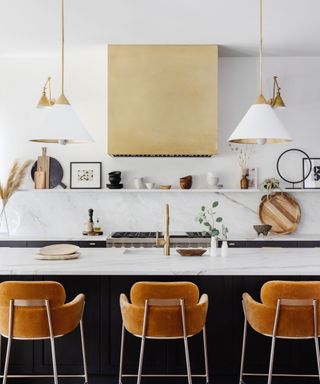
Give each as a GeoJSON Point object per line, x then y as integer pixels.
{"type": "Point", "coordinates": [57, 257]}
{"type": "Point", "coordinates": [281, 211]}
{"type": "Point", "coordinates": [59, 250]}
{"type": "Point", "coordinates": [191, 251]}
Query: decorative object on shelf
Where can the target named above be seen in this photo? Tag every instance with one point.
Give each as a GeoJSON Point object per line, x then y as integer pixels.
{"type": "Point", "coordinates": [43, 164]}
{"type": "Point", "coordinates": [262, 229]}
{"type": "Point", "coordinates": [114, 179]}
{"type": "Point", "coordinates": [253, 178]}
{"type": "Point", "coordinates": [186, 182]}
{"type": "Point", "coordinates": [97, 228]}
{"type": "Point", "coordinates": [213, 246]}
{"type": "Point", "coordinates": [85, 175]}
{"type": "Point", "coordinates": [150, 185]}
{"type": "Point", "coordinates": [54, 170]}
{"type": "Point", "coordinates": [270, 185]}
{"type": "Point", "coordinates": [305, 173]}
{"type": "Point", "coordinates": [62, 125]}
{"type": "Point", "coordinates": [166, 83]}
{"type": "Point", "coordinates": [276, 101]}
{"type": "Point", "coordinates": [39, 179]}
{"type": "Point", "coordinates": [244, 181]}
{"type": "Point", "coordinates": [311, 173]}
{"type": "Point", "coordinates": [261, 125]}
{"type": "Point", "coordinates": [191, 251]}
{"type": "Point", "coordinates": [212, 180]}
{"type": "Point", "coordinates": [15, 179]}
{"type": "Point", "coordinates": [224, 246]}
{"type": "Point", "coordinates": [165, 186]}
{"type": "Point", "coordinates": [138, 182]}
{"type": "Point", "coordinates": [281, 211]}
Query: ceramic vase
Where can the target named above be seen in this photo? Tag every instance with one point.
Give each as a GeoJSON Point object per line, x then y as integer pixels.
{"type": "Point", "coordinates": [213, 247]}
{"type": "Point", "coordinates": [224, 249]}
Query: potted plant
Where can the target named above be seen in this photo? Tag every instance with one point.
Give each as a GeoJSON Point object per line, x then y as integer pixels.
{"type": "Point", "coordinates": [224, 246]}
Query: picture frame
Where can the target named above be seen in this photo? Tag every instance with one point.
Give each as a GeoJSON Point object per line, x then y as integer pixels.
{"type": "Point", "coordinates": [85, 175]}
{"type": "Point", "coordinates": [311, 177]}
{"type": "Point", "coordinates": [253, 178]}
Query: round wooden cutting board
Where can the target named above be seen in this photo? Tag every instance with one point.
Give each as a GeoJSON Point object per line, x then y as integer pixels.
{"type": "Point", "coordinates": [281, 211]}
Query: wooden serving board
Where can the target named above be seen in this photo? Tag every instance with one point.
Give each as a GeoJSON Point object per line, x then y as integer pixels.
{"type": "Point", "coordinates": [59, 257]}
{"type": "Point", "coordinates": [281, 211]}
{"type": "Point", "coordinates": [59, 250]}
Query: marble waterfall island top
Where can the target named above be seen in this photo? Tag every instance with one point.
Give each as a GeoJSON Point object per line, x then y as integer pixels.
{"type": "Point", "coordinates": [122, 261]}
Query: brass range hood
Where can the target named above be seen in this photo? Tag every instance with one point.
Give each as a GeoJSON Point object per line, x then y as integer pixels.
{"type": "Point", "coordinates": [162, 100]}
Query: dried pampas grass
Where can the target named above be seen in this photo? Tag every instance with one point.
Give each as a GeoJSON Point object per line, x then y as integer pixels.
{"type": "Point", "coordinates": [15, 179]}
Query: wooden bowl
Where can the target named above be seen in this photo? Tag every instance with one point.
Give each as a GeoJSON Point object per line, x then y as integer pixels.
{"type": "Point", "coordinates": [191, 251]}
{"type": "Point", "coordinates": [186, 182]}
{"type": "Point", "coordinates": [165, 186]}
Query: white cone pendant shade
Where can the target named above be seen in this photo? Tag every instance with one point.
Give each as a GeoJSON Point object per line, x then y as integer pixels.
{"type": "Point", "coordinates": [260, 125]}
{"type": "Point", "coordinates": [62, 126]}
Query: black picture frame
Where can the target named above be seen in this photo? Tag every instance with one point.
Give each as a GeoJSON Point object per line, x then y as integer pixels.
{"type": "Point", "coordinates": [310, 171]}
{"type": "Point", "coordinates": [74, 185]}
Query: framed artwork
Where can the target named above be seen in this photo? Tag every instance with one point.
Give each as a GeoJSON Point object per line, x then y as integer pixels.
{"type": "Point", "coordinates": [253, 178]}
{"type": "Point", "coordinates": [311, 176]}
{"type": "Point", "coordinates": [85, 175]}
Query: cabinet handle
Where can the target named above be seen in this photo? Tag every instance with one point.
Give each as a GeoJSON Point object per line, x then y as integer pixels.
{"type": "Point", "coordinates": [92, 243]}
{"type": "Point", "coordinates": [232, 244]}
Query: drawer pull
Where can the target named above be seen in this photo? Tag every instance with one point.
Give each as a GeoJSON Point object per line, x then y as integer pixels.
{"type": "Point", "coordinates": [232, 244]}
{"type": "Point", "coordinates": [92, 243]}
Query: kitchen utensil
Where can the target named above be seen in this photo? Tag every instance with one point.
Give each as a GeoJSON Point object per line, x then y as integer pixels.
{"type": "Point", "coordinates": [40, 179]}
{"type": "Point", "coordinates": [186, 182]}
{"type": "Point", "coordinates": [43, 164]}
{"type": "Point", "coordinates": [55, 173]}
{"type": "Point", "coordinates": [59, 249]}
{"type": "Point", "coordinates": [57, 257]}
{"type": "Point", "coordinates": [262, 229]}
{"type": "Point", "coordinates": [150, 185]}
{"type": "Point", "coordinates": [281, 211]}
{"type": "Point", "coordinates": [191, 251]}
{"type": "Point", "coordinates": [165, 186]}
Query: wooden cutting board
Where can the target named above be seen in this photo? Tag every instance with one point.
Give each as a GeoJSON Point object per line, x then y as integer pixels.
{"type": "Point", "coordinates": [281, 211]}
{"type": "Point", "coordinates": [59, 257]}
{"type": "Point", "coordinates": [59, 250]}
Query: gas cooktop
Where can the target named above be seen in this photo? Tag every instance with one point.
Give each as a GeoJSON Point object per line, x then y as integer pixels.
{"type": "Point", "coordinates": [152, 235]}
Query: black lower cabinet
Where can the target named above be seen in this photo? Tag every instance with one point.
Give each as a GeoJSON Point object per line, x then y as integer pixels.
{"type": "Point", "coordinates": [102, 325]}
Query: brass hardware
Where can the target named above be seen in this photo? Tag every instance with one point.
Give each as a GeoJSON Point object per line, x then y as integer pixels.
{"type": "Point", "coordinates": [45, 101]}
{"type": "Point", "coordinates": [276, 101]}
{"type": "Point", "coordinates": [165, 242]}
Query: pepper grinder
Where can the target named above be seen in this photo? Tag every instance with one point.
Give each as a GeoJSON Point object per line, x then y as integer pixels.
{"type": "Point", "coordinates": [89, 224]}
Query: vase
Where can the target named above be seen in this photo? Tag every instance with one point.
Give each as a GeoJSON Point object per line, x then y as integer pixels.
{"type": "Point", "coordinates": [4, 227]}
{"type": "Point", "coordinates": [213, 247]}
{"type": "Point", "coordinates": [244, 181]}
{"type": "Point", "coordinates": [224, 249]}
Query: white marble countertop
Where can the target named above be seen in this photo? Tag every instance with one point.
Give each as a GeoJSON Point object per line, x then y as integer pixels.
{"type": "Point", "coordinates": [121, 261]}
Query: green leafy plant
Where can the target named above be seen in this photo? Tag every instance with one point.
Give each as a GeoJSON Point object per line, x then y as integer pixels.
{"type": "Point", "coordinates": [224, 232]}
{"type": "Point", "coordinates": [207, 217]}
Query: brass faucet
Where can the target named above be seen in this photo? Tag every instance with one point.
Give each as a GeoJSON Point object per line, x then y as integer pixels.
{"type": "Point", "coordinates": [165, 242]}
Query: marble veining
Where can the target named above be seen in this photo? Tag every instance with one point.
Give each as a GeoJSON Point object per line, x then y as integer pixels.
{"type": "Point", "coordinates": [143, 262]}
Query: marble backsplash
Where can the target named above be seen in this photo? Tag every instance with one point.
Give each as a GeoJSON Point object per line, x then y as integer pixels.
{"type": "Point", "coordinates": [59, 212]}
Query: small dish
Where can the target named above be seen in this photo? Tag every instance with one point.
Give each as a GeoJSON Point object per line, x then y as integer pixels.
{"type": "Point", "coordinates": [191, 251]}
{"type": "Point", "coordinates": [165, 186]}
{"type": "Point", "coordinates": [150, 185]}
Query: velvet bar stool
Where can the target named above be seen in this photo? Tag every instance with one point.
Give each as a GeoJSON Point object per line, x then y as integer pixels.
{"type": "Point", "coordinates": [164, 311]}
{"type": "Point", "coordinates": [288, 310]}
{"type": "Point", "coordinates": [37, 311]}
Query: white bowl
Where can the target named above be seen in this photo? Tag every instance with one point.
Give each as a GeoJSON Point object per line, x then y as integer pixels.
{"type": "Point", "coordinates": [149, 185]}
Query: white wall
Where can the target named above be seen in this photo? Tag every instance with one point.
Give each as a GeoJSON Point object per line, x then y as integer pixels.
{"type": "Point", "coordinates": [21, 79]}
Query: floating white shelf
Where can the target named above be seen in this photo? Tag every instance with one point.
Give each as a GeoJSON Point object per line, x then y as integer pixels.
{"type": "Point", "coordinates": [124, 190]}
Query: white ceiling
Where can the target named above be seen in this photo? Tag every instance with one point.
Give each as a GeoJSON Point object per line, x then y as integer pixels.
{"type": "Point", "coordinates": [291, 27]}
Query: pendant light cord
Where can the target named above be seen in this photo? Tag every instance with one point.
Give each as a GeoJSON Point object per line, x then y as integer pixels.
{"type": "Point", "coordinates": [62, 46]}
{"type": "Point", "coordinates": [260, 52]}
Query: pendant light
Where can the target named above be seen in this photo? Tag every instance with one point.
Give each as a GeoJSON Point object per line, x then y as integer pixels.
{"type": "Point", "coordinates": [62, 125]}
{"type": "Point", "coordinates": [261, 125]}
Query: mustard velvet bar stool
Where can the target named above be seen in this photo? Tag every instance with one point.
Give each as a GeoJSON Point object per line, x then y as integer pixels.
{"type": "Point", "coordinates": [37, 311]}
{"type": "Point", "coordinates": [164, 311]}
{"type": "Point", "coordinates": [288, 310]}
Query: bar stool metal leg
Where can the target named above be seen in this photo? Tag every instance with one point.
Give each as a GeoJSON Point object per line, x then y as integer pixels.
{"type": "Point", "coordinates": [53, 350]}
{"type": "Point", "coordinates": [244, 341]}
{"type": "Point", "coordinates": [10, 331]}
{"type": "Point", "coordinates": [83, 349]}
{"type": "Point", "coordinates": [121, 354]}
{"type": "Point", "coordinates": [273, 343]}
{"type": "Point", "coordinates": [143, 339]}
{"type": "Point", "coordinates": [185, 340]}
{"type": "Point", "coordinates": [315, 328]}
{"type": "Point", "coordinates": [205, 351]}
